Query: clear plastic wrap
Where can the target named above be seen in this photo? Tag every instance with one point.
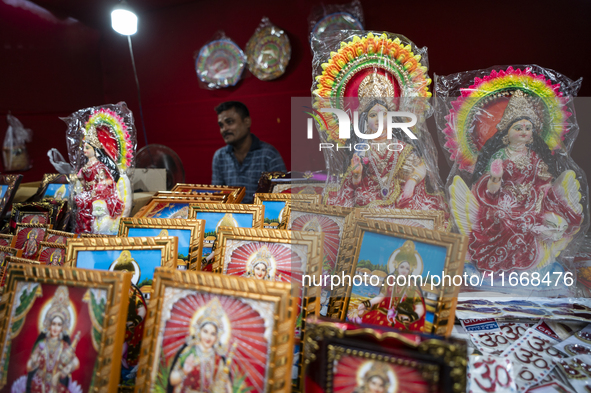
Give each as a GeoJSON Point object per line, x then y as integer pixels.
{"type": "Point", "coordinates": [101, 146]}
{"type": "Point", "coordinates": [513, 189]}
{"type": "Point", "coordinates": [219, 63]}
{"type": "Point", "coordinates": [268, 51]}
{"type": "Point", "coordinates": [14, 151]}
{"type": "Point", "coordinates": [328, 19]}
{"type": "Point", "coordinates": [388, 160]}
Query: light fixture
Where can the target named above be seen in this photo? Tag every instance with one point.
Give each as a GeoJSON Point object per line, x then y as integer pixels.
{"type": "Point", "coordinates": [123, 19]}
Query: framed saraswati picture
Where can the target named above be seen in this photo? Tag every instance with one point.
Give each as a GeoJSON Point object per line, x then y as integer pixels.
{"type": "Point", "coordinates": [138, 255]}
{"type": "Point", "coordinates": [428, 219]}
{"type": "Point", "coordinates": [62, 329]}
{"type": "Point", "coordinates": [55, 186]}
{"type": "Point", "coordinates": [27, 238]}
{"type": "Point", "coordinates": [347, 358]}
{"type": "Point", "coordinates": [214, 333]}
{"type": "Point", "coordinates": [225, 215]}
{"type": "Point", "coordinates": [329, 220]}
{"type": "Point", "coordinates": [189, 233]}
{"type": "Point", "coordinates": [282, 256]}
{"type": "Point", "coordinates": [8, 186]}
{"type": "Point", "coordinates": [396, 275]}
{"type": "Point", "coordinates": [235, 194]}
{"type": "Point", "coordinates": [53, 254]}
{"type": "Point", "coordinates": [277, 207]}
{"type": "Point", "coordinates": [172, 207]}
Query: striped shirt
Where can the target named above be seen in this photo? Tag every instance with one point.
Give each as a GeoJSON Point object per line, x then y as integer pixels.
{"type": "Point", "coordinates": [262, 157]}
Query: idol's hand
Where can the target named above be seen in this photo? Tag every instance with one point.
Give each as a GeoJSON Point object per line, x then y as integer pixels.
{"type": "Point", "coordinates": [496, 174]}
{"type": "Point", "coordinates": [361, 308]}
{"type": "Point", "coordinates": [408, 191]}
{"type": "Point", "coordinates": [357, 169]}
{"type": "Point", "coordinates": [189, 364]}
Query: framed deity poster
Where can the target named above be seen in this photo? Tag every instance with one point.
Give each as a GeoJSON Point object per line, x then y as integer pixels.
{"type": "Point", "coordinates": [283, 256]}
{"type": "Point", "coordinates": [235, 194]}
{"type": "Point", "coordinates": [189, 233]}
{"type": "Point", "coordinates": [171, 207]}
{"type": "Point", "coordinates": [5, 240]}
{"type": "Point", "coordinates": [277, 207]}
{"type": "Point", "coordinates": [62, 329]}
{"type": "Point", "coordinates": [53, 236]}
{"type": "Point", "coordinates": [32, 213]}
{"type": "Point", "coordinates": [214, 333]}
{"type": "Point", "coordinates": [138, 255]}
{"type": "Point", "coordinates": [8, 186]}
{"type": "Point", "coordinates": [428, 219]}
{"type": "Point", "coordinates": [396, 276]}
{"type": "Point", "coordinates": [225, 215]}
{"type": "Point", "coordinates": [53, 254]}
{"type": "Point", "coordinates": [6, 252]}
{"type": "Point", "coordinates": [56, 186]}
{"type": "Point", "coordinates": [348, 358]}
{"type": "Point", "coordinates": [27, 238]}
{"type": "Point", "coordinates": [329, 220]}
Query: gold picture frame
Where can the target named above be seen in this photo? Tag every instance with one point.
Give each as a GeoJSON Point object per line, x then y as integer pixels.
{"type": "Point", "coordinates": [427, 254]}
{"type": "Point", "coordinates": [5, 239]}
{"type": "Point", "coordinates": [428, 219]}
{"type": "Point", "coordinates": [55, 236]}
{"type": "Point", "coordinates": [189, 232]}
{"type": "Point", "coordinates": [274, 201]}
{"type": "Point", "coordinates": [236, 193]}
{"type": "Point", "coordinates": [172, 207]}
{"type": "Point", "coordinates": [140, 254]}
{"type": "Point", "coordinates": [66, 292]}
{"type": "Point", "coordinates": [27, 238]}
{"type": "Point", "coordinates": [220, 198]}
{"type": "Point", "coordinates": [225, 303]}
{"type": "Point", "coordinates": [244, 240]}
{"type": "Point", "coordinates": [52, 254]}
{"type": "Point", "coordinates": [46, 191]}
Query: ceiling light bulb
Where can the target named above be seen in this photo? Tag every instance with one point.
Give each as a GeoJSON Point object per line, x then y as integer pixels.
{"type": "Point", "coordinates": [124, 21]}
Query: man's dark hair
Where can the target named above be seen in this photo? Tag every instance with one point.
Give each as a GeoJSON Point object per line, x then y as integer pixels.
{"type": "Point", "coordinates": [238, 106]}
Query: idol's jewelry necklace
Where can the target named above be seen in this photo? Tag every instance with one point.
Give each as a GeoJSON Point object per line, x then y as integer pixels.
{"type": "Point", "coordinates": [384, 188]}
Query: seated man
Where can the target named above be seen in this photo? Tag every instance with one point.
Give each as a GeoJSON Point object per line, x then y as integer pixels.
{"type": "Point", "coordinates": [246, 157]}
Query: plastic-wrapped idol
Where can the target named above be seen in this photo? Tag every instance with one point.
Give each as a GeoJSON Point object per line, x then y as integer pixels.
{"type": "Point", "coordinates": [513, 189]}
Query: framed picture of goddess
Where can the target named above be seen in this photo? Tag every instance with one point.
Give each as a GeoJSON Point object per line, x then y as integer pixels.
{"type": "Point", "coordinates": [61, 328]}
{"type": "Point", "coordinates": [209, 332]}
{"type": "Point", "coordinates": [189, 233]}
{"type": "Point", "coordinates": [137, 255]}
{"type": "Point", "coordinates": [283, 256]}
{"type": "Point", "coordinates": [396, 276]}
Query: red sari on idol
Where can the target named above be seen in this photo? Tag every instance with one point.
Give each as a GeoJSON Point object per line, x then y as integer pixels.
{"type": "Point", "coordinates": [507, 236]}
{"type": "Point", "coordinates": [394, 169]}
{"type": "Point", "coordinates": [98, 184]}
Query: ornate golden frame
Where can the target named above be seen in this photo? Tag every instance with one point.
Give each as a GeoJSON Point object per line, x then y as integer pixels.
{"type": "Point", "coordinates": [220, 198]}
{"type": "Point", "coordinates": [456, 247]}
{"type": "Point", "coordinates": [436, 217]}
{"type": "Point", "coordinates": [257, 211]}
{"type": "Point", "coordinates": [259, 198]}
{"type": "Point", "coordinates": [196, 227]}
{"type": "Point", "coordinates": [116, 284]}
{"type": "Point", "coordinates": [281, 353]}
{"type": "Point", "coordinates": [314, 242]}
{"type": "Point", "coordinates": [166, 245]}
{"type": "Point", "coordinates": [236, 193]}
{"type": "Point", "coordinates": [6, 237]}
{"type": "Point", "coordinates": [50, 178]}
{"type": "Point", "coordinates": [144, 211]}
{"type": "Point", "coordinates": [54, 232]}
{"type": "Point", "coordinates": [45, 245]}
{"type": "Point", "coordinates": [453, 355]}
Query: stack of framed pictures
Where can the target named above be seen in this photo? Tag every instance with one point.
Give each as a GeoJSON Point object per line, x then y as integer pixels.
{"type": "Point", "coordinates": [235, 194]}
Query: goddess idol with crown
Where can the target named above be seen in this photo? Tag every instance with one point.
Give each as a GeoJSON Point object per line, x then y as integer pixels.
{"type": "Point", "coordinates": [372, 75]}
{"type": "Point", "coordinates": [524, 205]}
{"type": "Point", "coordinates": [103, 192]}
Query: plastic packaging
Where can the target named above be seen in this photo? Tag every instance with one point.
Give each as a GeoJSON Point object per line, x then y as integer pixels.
{"type": "Point", "coordinates": [101, 146]}
{"type": "Point", "coordinates": [328, 19]}
{"type": "Point", "coordinates": [513, 188]}
{"type": "Point", "coordinates": [268, 51]}
{"type": "Point", "coordinates": [577, 370]}
{"type": "Point", "coordinates": [219, 63]}
{"type": "Point", "coordinates": [14, 151]}
{"type": "Point", "coordinates": [577, 344]}
{"type": "Point", "coordinates": [377, 79]}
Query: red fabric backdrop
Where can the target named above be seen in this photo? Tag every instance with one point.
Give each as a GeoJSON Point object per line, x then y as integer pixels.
{"type": "Point", "coordinates": [52, 67]}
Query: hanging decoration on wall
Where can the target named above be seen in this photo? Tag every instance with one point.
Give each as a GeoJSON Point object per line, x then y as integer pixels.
{"type": "Point", "coordinates": [219, 63]}
{"type": "Point", "coordinates": [268, 51]}
{"type": "Point", "coordinates": [325, 20]}
{"type": "Point", "coordinates": [101, 145]}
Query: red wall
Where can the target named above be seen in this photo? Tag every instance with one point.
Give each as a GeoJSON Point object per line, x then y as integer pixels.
{"type": "Point", "coordinates": [50, 68]}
